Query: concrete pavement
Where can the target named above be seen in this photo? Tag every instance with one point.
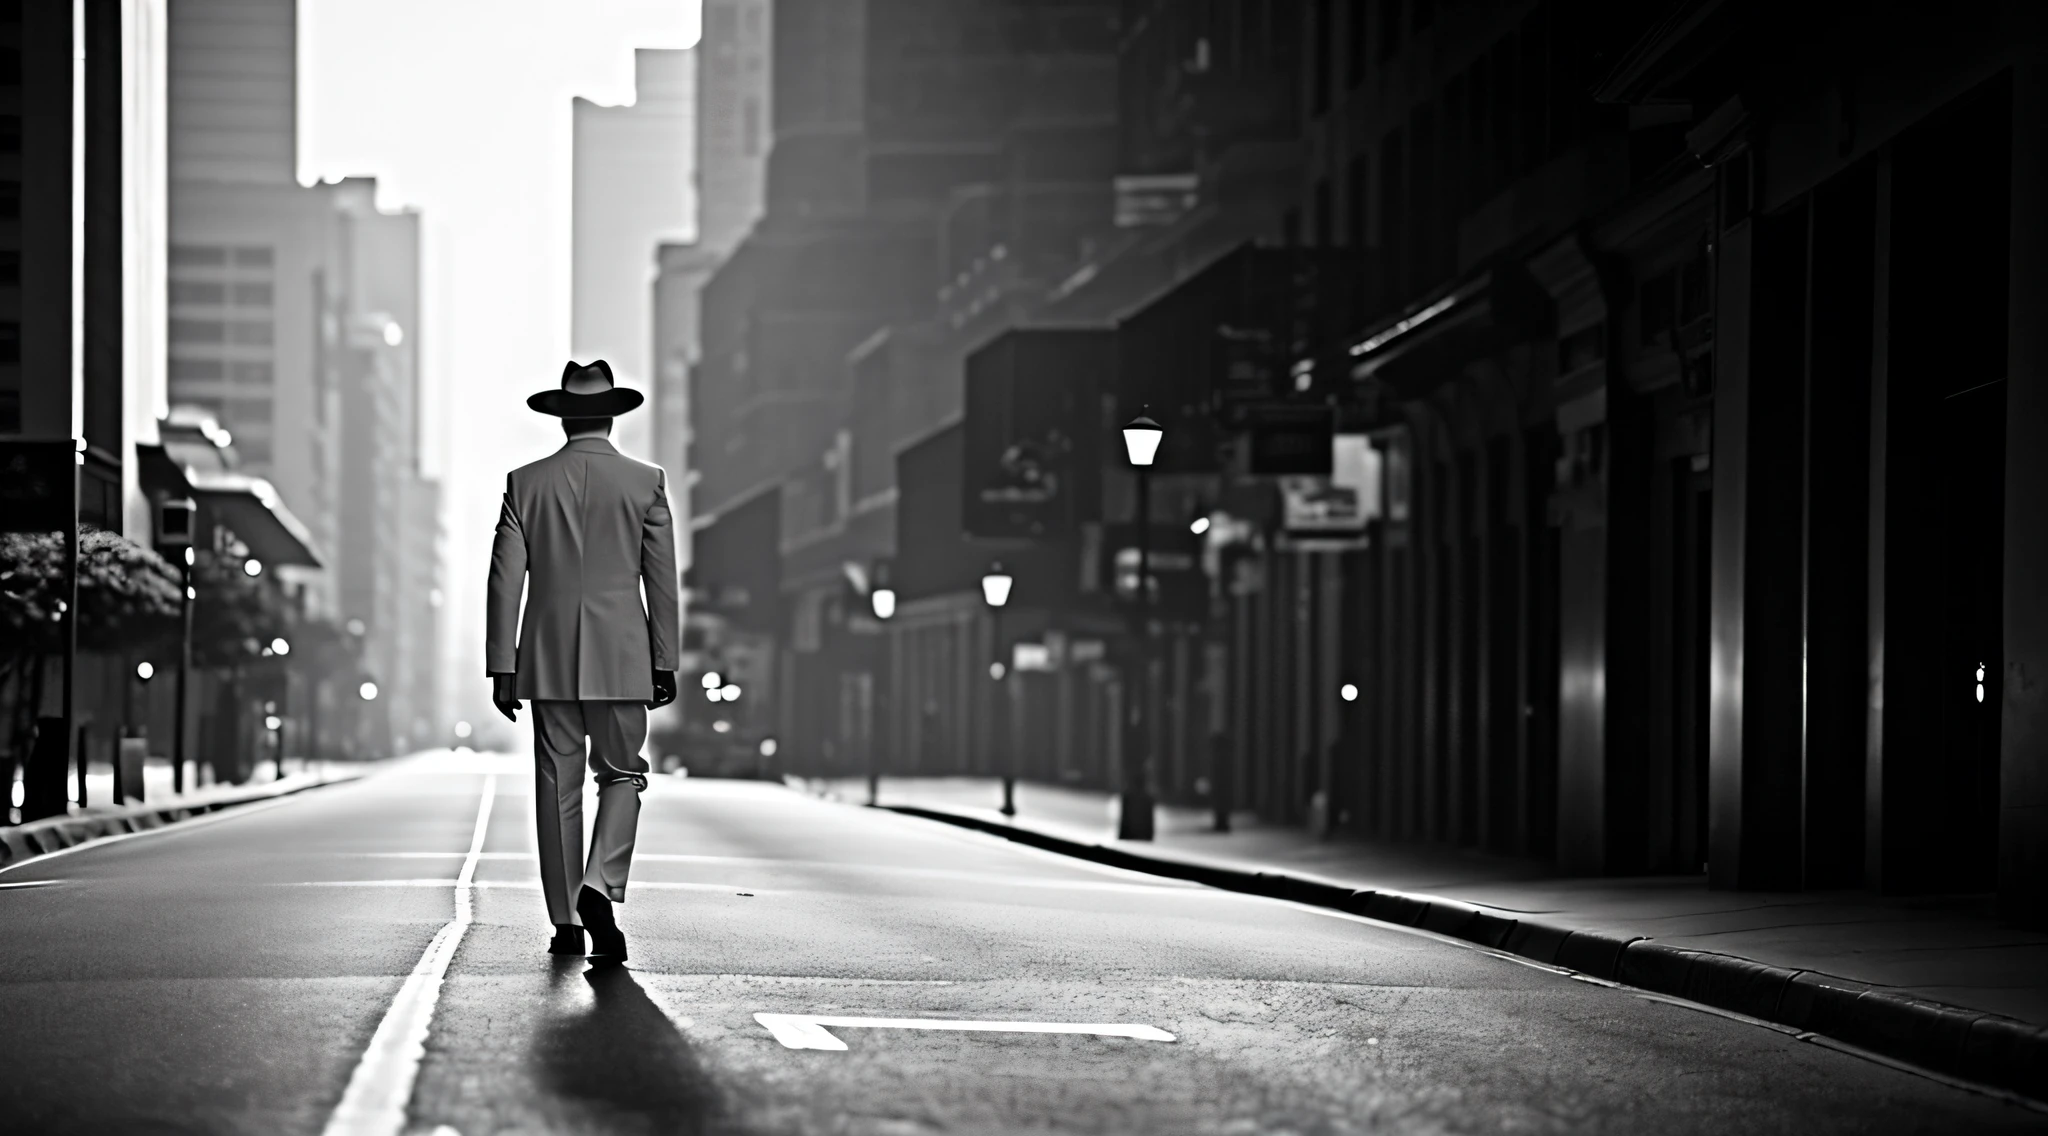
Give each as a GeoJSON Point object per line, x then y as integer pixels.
{"type": "Point", "coordinates": [229, 974]}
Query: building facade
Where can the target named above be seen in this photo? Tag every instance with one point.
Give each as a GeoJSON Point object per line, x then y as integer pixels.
{"type": "Point", "coordinates": [1613, 431]}
{"type": "Point", "coordinates": [631, 190]}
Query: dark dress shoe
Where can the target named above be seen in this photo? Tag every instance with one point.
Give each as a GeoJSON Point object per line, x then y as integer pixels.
{"type": "Point", "coordinates": [607, 942]}
{"type": "Point", "coordinates": [568, 940]}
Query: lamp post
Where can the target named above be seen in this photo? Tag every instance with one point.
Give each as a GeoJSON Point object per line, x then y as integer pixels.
{"type": "Point", "coordinates": [1134, 813]}
{"type": "Point", "coordinates": [881, 601]}
{"type": "Point", "coordinates": [995, 591]}
{"type": "Point", "coordinates": [144, 671]}
{"type": "Point", "coordinates": [176, 525]}
{"type": "Point", "coordinates": [281, 647]}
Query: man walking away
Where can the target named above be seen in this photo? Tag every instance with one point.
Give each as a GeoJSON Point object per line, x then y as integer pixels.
{"type": "Point", "coordinates": [585, 529]}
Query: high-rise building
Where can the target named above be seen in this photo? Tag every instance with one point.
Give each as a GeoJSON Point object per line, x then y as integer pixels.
{"type": "Point", "coordinates": [733, 108]}
{"type": "Point", "coordinates": [294, 323]}
{"type": "Point", "coordinates": [732, 137]}
{"type": "Point", "coordinates": [80, 342]}
{"type": "Point", "coordinates": [631, 191]}
{"type": "Point", "coordinates": [234, 91]}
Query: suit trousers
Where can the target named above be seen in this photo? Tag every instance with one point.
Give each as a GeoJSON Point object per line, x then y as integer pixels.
{"type": "Point", "coordinates": [616, 731]}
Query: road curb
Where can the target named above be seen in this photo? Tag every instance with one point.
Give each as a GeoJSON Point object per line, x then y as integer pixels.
{"type": "Point", "coordinates": [1973, 1045]}
{"type": "Point", "coordinates": [23, 842]}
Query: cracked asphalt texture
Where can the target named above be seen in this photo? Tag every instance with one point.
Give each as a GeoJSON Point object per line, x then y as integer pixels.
{"type": "Point", "coordinates": [226, 975]}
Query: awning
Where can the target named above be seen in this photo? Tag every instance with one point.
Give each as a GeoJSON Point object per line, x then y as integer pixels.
{"type": "Point", "coordinates": [1490, 310]}
{"type": "Point", "coordinates": [247, 506]}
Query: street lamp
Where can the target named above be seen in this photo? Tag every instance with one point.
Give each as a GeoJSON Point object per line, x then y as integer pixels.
{"type": "Point", "coordinates": [368, 691]}
{"type": "Point", "coordinates": [711, 681]}
{"type": "Point", "coordinates": [144, 671]}
{"type": "Point", "coordinates": [995, 591]}
{"type": "Point", "coordinates": [252, 567]}
{"type": "Point", "coordinates": [280, 646]}
{"type": "Point", "coordinates": [176, 527]}
{"type": "Point", "coordinates": [1134, 814]}
{"type": "Point", "coordinates": [881, 601]}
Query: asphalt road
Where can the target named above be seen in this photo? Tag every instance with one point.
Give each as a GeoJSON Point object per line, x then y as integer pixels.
{"type": "Point", "coordinates": [229, 975]}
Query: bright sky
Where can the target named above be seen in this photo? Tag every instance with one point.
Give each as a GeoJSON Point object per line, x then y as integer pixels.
{"type": "Point", "coordinates": [461, 109]}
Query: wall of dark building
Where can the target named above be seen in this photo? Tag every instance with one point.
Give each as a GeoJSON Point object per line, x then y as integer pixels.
{"type": "Point", "coordinates": [1692, 344]}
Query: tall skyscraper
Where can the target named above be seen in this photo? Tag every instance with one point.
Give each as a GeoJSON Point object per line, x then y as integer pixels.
{"type": "Point", "coordinates": [631, 191]}
{"type": "Point", "coordinates": [734, 124]}
{"type": "Point", "coordinates": [294, 322]}
{"type": "Point", "coordinates": [81, 265]}
{"type": "Point", "coordinates": [234, 86]}
{"type": "Point", "coordinates": [734, 130]}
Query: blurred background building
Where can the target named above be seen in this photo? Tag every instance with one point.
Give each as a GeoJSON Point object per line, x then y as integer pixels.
{"type": "Point", "coordinates": [295, 325]}
{"type": "Point", "coordinates": [202, 326]}
{"type": "Point", "coordinates": [632, 190]}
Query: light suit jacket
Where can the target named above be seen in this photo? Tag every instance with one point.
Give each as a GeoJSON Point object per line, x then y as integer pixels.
{"type": "Point", "coordinates": [584, 528]}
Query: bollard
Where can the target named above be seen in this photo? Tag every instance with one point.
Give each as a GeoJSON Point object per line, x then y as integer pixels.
{"type": "Point", "coordinates": [84, 736]}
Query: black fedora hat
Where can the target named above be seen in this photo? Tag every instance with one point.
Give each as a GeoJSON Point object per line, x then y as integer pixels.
{"type": "Point", "coordinates": [586, 392]}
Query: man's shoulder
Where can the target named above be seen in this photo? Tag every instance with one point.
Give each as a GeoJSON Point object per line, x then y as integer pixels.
{"type": "Point", "coordinates": [635, 469]}
{"type": "Point", "coordinates": [534, 467]}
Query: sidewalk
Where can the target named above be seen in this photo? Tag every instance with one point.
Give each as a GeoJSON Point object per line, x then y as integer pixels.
{"type": "Point", "coordinates": [160, 807]}
{"type": "Point", "coordinates": [1937, 981]}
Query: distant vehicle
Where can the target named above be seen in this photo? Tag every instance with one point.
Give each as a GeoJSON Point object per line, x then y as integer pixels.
{"type": "Point", "coordinates": [704, 750]}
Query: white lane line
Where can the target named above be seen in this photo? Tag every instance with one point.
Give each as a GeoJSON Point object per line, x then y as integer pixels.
{"type": "Point", "coordinates": [529, 885]}
{"type": "Point", "coordinates": [1142, 884]}
{"type": "Point", "coordinates": [807, 1031]}
{"type": "Point", "coordinates": [374, 1102]}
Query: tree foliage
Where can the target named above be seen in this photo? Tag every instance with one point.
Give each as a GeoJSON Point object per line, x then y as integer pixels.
{"type": "Point", "coordinates": [127, 595]}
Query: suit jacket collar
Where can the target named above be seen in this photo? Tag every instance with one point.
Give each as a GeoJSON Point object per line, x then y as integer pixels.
{"type": "Point", "coordinates": [591, 446]}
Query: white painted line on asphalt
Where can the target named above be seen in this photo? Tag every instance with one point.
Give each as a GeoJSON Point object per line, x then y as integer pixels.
{"type": "Point", "coordinates": [374, 1102]}
{"type": "Point", "coordinates": [807, 1031]}
{"type": "Point", "coordinates": [30, 884]}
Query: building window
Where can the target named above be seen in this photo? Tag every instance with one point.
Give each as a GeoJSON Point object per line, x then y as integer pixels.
{"type": "Point", "coordinates": [197, 256]}
{"type": "Point", "coordinates": [1323, 43]}
{"type": "Point", "coordinates": [195, 370]}
{"type": "Point", "coordinates": [10, 342]}
{"type": "Point", "coordinates": [251, 372]}
{"type": "Point", "coordinates": [255, 451]}
{"type": "Point", "coordinates": [1390, 29]}
{"type": "Point", "coordinates": [1355, 25]}
{"type": "Point", "coordinates": [10, 134]}
{"type": "Point", "coordinates": [10, 266]}
{"type": "Point", "coordinates": [252, 257]}
{"type": "Point", "coordinates": [198, 331]}
{"type": "Point", "coordinates": [10, 199]}
{"type": "Point", "coordinates": [252, 295]}
{"type": "Point", "coordinates": [1358, 182]}
{"type": "Point", "coordinates": [252, 332]}
{"type": "Point", "coordinates": [10, 412]}
{"type": "Point", "coordinates": [194, 292]}
{"type": "Point", "coordinates": [10, 67]}
{"type": "Point", "coordinates": [750, 128]}
{"type": "Point", "coordinates": [246, 410]}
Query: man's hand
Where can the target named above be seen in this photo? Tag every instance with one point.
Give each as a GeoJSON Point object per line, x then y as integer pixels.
{"type": "Point", "coordinates": [664, 689]}
{"type": "Point", "coordinates": [502, 695]}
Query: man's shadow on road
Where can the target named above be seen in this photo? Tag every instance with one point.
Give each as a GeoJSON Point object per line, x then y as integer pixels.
{"type": "Point", "coordinates": [622, 1060]}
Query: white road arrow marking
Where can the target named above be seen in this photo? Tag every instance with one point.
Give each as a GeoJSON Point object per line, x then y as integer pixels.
{"type": "Point", "coordinates": [807, 1031]}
